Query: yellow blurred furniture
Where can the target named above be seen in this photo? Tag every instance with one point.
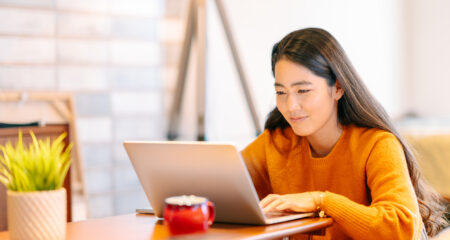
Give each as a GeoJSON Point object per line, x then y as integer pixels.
{"type": "Point", "coordinates": [433, 156]}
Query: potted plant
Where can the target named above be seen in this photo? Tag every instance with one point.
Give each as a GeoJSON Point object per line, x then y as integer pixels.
{"type": "Point", "coordinates": [34, 175]}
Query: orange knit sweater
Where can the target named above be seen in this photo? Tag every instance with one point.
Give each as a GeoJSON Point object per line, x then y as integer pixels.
{"type": "Point", "coordinates": [368, 190]}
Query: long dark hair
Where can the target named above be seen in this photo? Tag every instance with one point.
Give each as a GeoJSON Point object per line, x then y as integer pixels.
{"type": "Point", "coordinates": [318, 50]}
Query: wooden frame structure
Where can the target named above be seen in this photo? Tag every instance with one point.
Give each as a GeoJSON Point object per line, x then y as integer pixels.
{"type": "Point", "coordinates": [196, 28]}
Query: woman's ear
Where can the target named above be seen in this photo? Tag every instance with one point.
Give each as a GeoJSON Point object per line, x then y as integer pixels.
{"type": "Point", "coordinates": [339, 91]}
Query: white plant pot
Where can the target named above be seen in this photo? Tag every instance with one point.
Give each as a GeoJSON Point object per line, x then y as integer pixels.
{"type": "Point", "coordinates": [37, 215]}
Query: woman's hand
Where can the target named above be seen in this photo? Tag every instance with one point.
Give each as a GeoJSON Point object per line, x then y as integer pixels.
{"type": "Point", "coordinates": [298, 202]}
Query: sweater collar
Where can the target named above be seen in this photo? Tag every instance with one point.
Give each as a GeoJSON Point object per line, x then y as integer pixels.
{"type": "Point", "coordinates": [306, 148]}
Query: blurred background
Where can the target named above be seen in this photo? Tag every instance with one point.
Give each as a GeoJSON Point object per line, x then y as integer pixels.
{"type": "Point", "coordinates": [118, 58]}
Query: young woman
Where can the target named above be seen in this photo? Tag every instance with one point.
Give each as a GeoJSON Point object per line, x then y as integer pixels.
{"type": "Point", "coordinates": [329, 146]}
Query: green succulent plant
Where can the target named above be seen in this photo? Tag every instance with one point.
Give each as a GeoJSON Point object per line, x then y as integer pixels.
{"type": "Point", "coordinates": [41, 166]}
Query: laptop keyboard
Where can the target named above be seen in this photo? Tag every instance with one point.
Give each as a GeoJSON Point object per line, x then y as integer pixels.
{"type": "Point", "coordinates": [276, 214]}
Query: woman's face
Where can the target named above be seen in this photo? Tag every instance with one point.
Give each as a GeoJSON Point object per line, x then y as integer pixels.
{"type": "Point", "coordinates": [304, 99]}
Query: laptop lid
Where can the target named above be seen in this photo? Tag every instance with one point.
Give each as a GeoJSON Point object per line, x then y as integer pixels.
{"type": "Point", "coordinates": [212, 170]}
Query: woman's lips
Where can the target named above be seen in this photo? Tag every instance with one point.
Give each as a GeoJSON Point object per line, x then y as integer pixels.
{"type": "Point", "coordinates": [297, 119]}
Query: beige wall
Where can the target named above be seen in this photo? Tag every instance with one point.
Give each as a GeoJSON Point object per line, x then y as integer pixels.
{"type": "Point", "coordinates": [428, 58]}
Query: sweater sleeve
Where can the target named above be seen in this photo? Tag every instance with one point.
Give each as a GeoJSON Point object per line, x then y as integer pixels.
{"type": "Point", "coordinates": [254, 156]}
{"type": "Point", "coordinates": [393, 212]}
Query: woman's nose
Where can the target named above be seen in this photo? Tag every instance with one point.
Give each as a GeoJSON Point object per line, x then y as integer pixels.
{"type": "Point", "coordinates": [293, 103]}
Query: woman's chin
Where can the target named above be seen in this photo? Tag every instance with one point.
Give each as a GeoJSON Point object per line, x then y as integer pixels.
{"type": "Point", "coordinates": [301, 131]}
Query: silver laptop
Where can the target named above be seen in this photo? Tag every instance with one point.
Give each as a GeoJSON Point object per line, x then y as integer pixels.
{"type": "Point", "coordinates": [212, 170]}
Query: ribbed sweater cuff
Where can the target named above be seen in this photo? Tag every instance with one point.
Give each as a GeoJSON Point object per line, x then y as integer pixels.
{"type": "Point", "coordinates": [348, 213]}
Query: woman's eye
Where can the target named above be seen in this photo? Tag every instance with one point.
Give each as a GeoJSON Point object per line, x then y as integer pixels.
{"type": "Point", "coordinates": [279, 92]}
{"type": "Point", "coordinates": [303, 90]}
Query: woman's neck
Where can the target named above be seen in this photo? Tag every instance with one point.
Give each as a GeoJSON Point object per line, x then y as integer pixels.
{"type": "Point", "coordinates": [323, 141]}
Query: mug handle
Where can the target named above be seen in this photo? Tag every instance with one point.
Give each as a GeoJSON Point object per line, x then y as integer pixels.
{"type": "Point", "coordinates": [211, 213]}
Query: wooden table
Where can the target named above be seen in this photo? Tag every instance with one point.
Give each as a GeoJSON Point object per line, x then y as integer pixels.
{"type": "Point", "coordinates": [145, 226]}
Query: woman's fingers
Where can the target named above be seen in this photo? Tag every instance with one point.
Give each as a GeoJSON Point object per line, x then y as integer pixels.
{"type": "Point", "coordinates": [273, 205]}
{"type": "Point", "coordinates": [299, 202]}
{"type": "Point", "coordinates": [285, 206]}
{"type": "Point", "coordinates": [268, 199]}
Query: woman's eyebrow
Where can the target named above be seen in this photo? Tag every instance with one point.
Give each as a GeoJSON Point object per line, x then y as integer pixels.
{"type": "Point", "coordinates": [303, 82]}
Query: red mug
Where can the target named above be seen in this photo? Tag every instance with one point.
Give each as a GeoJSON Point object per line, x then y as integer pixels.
{"type": "Point", "coordinates": [188, 214]}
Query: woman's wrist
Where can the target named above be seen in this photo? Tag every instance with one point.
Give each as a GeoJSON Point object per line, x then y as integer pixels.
{"type": "Point", "coordinates": [321, 196]}
{"type": "Point", "coordinates": [317, 198]}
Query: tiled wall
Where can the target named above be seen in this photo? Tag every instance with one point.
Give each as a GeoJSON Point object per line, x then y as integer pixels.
{"type": "Point", "coordinates": [109, 53]}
